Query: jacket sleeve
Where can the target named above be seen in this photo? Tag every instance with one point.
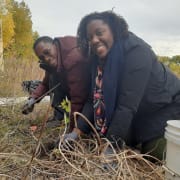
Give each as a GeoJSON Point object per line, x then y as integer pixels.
{"type": "Point", "coordinates": [42, 88]}
{"type": "Point", "coordinates": [136, 73]}
{"type": "Point", "coordinates": [78, 79]}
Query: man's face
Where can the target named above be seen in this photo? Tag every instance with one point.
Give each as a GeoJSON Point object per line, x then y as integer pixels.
{"type": "Point", "coordinates": [47, 52]}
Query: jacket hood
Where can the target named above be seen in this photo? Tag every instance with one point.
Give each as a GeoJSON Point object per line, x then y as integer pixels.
{"type": "Point", "coordinates": [68, 52]}
{"type": "Point", "coordinates": [132, 41]}
{"type": "Point", "coordinates": [66, 44]}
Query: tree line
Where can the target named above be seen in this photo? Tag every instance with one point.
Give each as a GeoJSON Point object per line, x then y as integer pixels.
{"type": "Point", "coordinates": [18, 35]}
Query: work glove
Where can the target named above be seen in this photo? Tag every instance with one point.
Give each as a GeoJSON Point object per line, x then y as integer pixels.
{"type": "Point", "coordinates": [68, 140]}
{"type": "Point", "coordinates": [29, 106]}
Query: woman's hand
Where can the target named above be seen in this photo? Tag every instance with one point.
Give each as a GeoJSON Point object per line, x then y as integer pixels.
{"type": "Point", "coordinates": [69, 138]}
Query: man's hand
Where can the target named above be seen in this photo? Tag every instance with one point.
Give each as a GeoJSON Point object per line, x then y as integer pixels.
{"type": "Point", "coordinates": [29, 106]}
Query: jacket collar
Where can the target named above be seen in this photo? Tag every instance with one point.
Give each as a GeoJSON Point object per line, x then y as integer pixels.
{"type": "Point", "coordinates": [132, 41]}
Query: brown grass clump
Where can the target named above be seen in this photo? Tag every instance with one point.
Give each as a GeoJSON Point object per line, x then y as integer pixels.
{"type": "Point", "coordinates": [15, 72]}
{"type": "Point", "coordinates": [25, 154]}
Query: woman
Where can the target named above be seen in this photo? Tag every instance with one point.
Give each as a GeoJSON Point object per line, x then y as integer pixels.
{"type": "Point", "coordinates": [133, 94]}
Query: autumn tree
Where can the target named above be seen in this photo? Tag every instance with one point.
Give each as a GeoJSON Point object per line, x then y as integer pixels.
{"type": "Point", "coordinates": [23, 38]}
{"type": "Point", "coordinates": [18, 36]}
{"type": "Point", "coordinates": [7, 24]}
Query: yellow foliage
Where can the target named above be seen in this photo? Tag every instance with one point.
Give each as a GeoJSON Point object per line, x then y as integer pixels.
{"type": "Point", "coordinates": [8, 29]}
{"type": "Point", "coordinates": [175, 68]}
{"type": "Point", "coordinates": [7, 22]}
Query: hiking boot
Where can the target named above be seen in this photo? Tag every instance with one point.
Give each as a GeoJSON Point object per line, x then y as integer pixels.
{"type": "Point", "coordinates": [55, 120]}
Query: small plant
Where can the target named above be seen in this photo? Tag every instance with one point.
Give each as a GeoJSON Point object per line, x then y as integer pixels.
{"type": "Point", "coordinates": [66, 106]}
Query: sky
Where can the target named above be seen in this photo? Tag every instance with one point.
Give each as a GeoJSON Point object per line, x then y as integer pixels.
{"type": "Point", "coordinates": [155, 21]}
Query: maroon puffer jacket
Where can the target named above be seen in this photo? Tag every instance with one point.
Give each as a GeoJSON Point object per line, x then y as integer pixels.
{"type": "Point", "coordinates": [73, 72]}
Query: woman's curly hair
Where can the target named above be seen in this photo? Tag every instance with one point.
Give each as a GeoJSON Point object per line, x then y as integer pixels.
{"type": "Point", "coordinates": [117, 24]}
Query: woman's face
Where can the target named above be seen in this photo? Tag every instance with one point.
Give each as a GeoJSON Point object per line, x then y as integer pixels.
{"type": "Point", "coordinates": [100, 37]}
{"type": "Point", "coordinates": [47, 52]}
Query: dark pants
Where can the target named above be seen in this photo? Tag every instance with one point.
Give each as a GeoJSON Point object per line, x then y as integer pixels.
{"type": "Point", "coordinates": [152, 126]}
{"type": "Point", "coordinates": [149, 130]}
{"type": "Point", "coordinates": [57, 96]}
{"type": "Point", "coordinates": [155, 148]}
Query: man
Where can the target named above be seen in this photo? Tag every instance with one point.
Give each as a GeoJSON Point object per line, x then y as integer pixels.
{"type": "Point", "coordinates": [63, 63]}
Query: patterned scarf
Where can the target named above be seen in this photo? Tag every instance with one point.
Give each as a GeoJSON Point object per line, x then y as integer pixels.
{"type": "Point", "coordinates": [98, 101]}
{"type": "Point", "coordinates": [110, 81]}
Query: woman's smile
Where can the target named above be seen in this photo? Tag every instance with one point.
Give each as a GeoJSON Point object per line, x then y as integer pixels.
{"type": "Point", "coordinates": [100, 37]}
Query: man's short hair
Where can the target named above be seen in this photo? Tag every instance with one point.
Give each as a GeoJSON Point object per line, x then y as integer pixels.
{"type": "Point", "coordinates": [45, 39]}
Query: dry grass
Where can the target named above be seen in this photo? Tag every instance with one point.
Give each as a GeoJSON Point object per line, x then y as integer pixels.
{"type": "Point", "coordinates": [29, 155]}
{"type": "Point", "coordinates": [15, 72]}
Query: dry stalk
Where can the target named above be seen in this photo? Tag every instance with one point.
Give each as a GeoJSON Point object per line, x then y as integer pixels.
{"type": "Point", "coordinates": [81, 162]}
